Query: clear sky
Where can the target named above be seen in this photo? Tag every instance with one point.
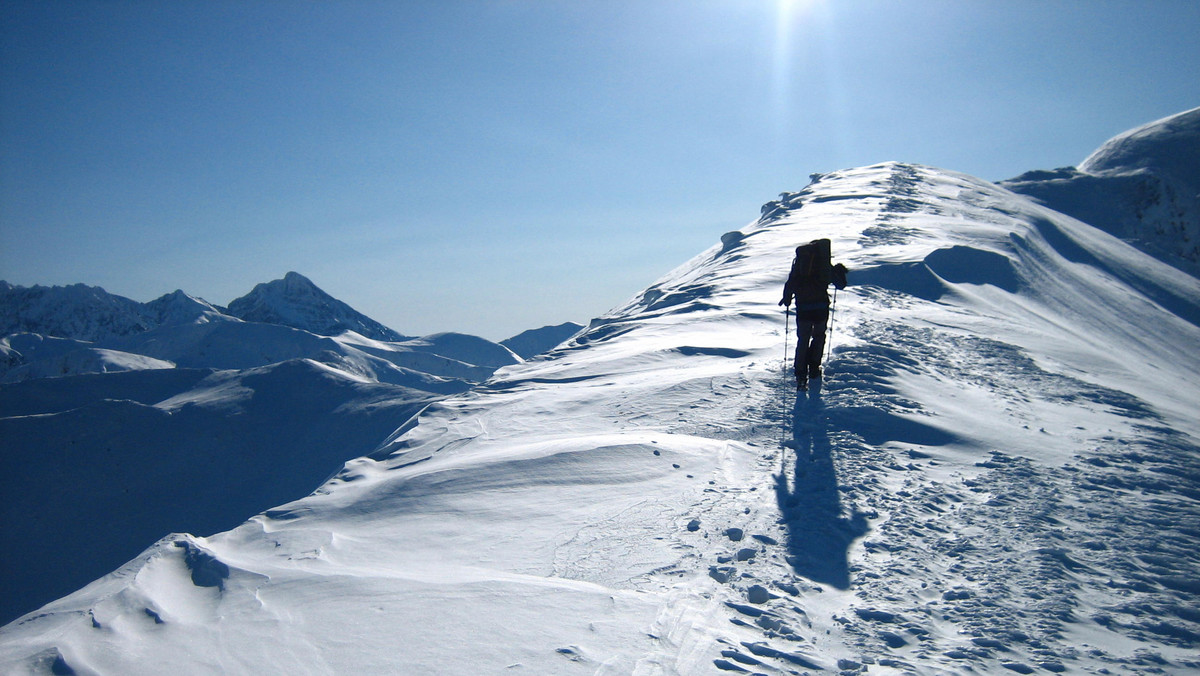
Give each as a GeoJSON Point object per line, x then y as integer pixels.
{"type": "Point", "coordinates": [488, 166]}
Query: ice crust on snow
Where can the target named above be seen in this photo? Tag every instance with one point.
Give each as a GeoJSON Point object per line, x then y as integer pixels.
{"type": "Point", "coordinates": [996, 474]}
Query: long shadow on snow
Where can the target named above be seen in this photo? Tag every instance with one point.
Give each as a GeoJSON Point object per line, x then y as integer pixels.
{"type": "Point", "coordinates": [819, 535]}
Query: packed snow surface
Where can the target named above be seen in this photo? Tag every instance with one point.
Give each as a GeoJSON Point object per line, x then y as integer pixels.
{"type": "Point", "coordinates": [998, 473]}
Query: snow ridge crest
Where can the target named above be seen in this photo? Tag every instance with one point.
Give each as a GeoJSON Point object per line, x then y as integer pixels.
{"type": "Point", "coordinates": [1142, 185]}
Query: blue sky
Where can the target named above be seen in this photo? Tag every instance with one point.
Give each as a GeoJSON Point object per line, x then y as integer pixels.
{"type": "Point", "coordinates": [488, 166]}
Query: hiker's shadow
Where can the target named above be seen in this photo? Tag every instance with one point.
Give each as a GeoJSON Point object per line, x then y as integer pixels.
{"type": "Point", "coordinates": [819, 532]}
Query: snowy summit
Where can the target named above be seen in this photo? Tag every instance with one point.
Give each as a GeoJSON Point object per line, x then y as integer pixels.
{"type": "Point", "coordinates": [296, 302]}
{"type": "Point", "coordinates": [997, 474]}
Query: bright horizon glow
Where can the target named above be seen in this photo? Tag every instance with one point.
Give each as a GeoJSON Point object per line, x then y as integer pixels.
{"type": "Point", "coordinates": [488, 166]}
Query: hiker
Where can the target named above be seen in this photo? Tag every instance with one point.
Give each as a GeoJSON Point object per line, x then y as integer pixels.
{"type": "Point", "coordinates": [808, 283]}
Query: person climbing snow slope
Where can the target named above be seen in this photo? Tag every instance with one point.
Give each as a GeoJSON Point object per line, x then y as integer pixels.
{"type": "Point", "coordinates": [811, 275]}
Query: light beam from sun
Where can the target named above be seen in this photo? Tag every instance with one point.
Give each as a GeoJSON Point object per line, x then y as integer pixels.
{"type": "Point", "coordinates": [804, 38]}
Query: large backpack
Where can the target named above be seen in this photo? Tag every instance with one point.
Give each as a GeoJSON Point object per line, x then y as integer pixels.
{"type": "Point", "coordinates": [812, 266]}
{"type": "Point", "coordinates": [812, 273]}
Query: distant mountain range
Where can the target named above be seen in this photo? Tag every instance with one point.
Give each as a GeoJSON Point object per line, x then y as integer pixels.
{"type": "Point", "coordinates": [88, 313]}
{"type": "Point", "coordinates": [225, 411]}
{"type": "Point", "coordinates": [79, 329]}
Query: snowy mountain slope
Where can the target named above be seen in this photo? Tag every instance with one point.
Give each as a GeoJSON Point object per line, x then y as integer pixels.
{"type": "Point", "coordinates": [531, 343]}
{"type": "Point", "coordinates": [997, 475]}
{"type": "Point", "coordinates": [78, 312]}
{"type": "Point", "coordinates": [296, 302]}
{"type": "Point", "coordinates": [465, 348]}
{"type": "Point", "coordinates": [84, 360]}
{"type": "Point", "coordinates": [100, 466]}
{"type": "Point", "coordinates": [23, 348]}
{"type": "Point", "coordinates": [1142, 185]}
{"type": "Point", "coordinates": [178, 307]}
{"type": "Point", "coordinates": [243, 345]}
{"type": "Point", "coordinates": [447, 355]}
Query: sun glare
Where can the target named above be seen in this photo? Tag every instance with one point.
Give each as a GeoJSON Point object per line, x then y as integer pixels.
{"type": "Point", "coordinates": [804, 51]}
{"type": "Point", "coordinates": [789, 13]}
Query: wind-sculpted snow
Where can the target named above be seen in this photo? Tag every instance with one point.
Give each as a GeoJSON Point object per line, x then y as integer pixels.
{"type": "Point", "coordinates": [1143, 185]}
{"type": "Point", "coordinates": [100, 466]}
{"type": "Point", "coordinates": [996, 474]}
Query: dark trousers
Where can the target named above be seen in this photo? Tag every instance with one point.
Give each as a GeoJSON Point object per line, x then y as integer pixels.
{"type": "Point", "coordinates": [811, 326]}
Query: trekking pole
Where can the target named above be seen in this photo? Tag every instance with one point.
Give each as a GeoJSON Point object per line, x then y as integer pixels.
{"type": "Point", "coordinates": [832, 316]}
{"type": "Point", "coordinates": [787, 320]}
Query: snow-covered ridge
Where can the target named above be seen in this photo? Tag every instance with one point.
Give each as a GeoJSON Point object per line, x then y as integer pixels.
{"type": "Point", "coordinates": [78, 312]}
{"type": "Point", "coordinates": [531, 343]}
{"type": "Point", "coordinates": [180, 308]}
{"type": "Point", "coordinates": [1142, 185]}
{"type": "Point", "coordinates": [996, 475]}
